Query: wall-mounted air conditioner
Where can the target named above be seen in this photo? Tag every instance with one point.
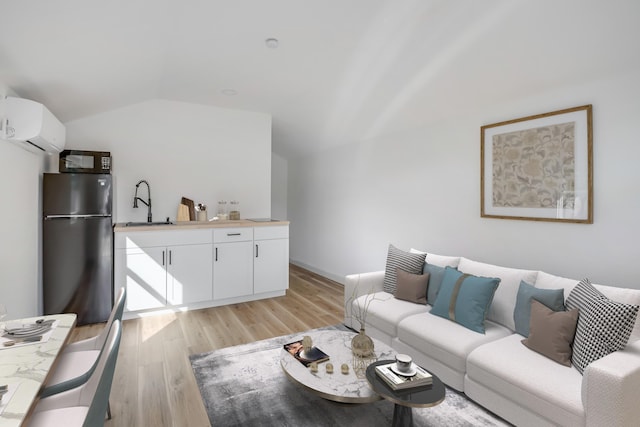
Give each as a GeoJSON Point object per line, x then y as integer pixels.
{"type": "Point", "coordinates": [32, 125]}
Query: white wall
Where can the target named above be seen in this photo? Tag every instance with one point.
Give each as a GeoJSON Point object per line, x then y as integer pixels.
{"type": "Point", "coordinates": [279, 175]}
{"type": "Point", "coordinates": [422, 189]}
{"type": "Point", "coordinates": [19, 227]}
{"type": "Point", "coordinates": [200, 152]}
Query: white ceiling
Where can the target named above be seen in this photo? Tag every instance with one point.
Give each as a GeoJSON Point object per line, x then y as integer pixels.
{"type": "Point", "coordinates": [345, 70]}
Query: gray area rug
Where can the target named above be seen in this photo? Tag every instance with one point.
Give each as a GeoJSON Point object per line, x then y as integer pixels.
{"type": "Point", "coordinates": [245, 386]}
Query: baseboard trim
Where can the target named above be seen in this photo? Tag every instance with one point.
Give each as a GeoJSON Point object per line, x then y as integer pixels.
{"type": "Point", "coordinates": [330, 276]}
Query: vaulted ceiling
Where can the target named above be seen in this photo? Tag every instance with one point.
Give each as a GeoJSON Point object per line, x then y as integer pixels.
{"type": "Point", "coordinates": [344, 70]}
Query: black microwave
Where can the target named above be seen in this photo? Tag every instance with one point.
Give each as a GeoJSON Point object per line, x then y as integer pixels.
{"type": "Point", "coordinates": [79, 161]}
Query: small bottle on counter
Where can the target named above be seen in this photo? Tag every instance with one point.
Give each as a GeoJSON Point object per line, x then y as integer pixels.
{"type": "Point", "coordinates": [234, 213]}
{"type": "Point", "coordinates": [222, 210]}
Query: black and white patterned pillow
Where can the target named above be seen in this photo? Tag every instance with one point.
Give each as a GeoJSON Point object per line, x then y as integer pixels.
{"type": "Point", "coordinates": [406, 261]}
{"type": "Point", "coordinates": [604, 326]}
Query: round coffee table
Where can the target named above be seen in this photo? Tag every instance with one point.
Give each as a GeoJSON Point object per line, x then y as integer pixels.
{"type": "Point", "coordinates": [404, 400]}
{"type": "Point", "coordinates": [336, 386]}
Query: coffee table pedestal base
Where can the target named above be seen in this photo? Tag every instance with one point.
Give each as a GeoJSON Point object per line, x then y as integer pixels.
{"type": "Point", "coordinates": [402, 416]}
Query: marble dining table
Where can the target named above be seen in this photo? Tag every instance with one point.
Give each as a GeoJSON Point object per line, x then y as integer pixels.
{"type": "Point", "coordinates": [24, 367]}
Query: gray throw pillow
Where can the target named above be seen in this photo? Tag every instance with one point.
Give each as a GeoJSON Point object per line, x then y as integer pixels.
{"type": "Point", "coordinates": [552, 332]}
{"type": "Point", "coordinates": [406, 261]}
{"type": "Point", "coordinates": [552, 298]}
{"type": "Point", "coordinates": [412, 287]}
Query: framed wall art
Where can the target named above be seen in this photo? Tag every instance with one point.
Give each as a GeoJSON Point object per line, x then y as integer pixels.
{"type": "Point", "coordinates": [539, 167]}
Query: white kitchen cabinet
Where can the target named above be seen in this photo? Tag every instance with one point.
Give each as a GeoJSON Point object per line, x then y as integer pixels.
{"type": "Point", "coordinates": [200, 267]}
{"type": "Point", "coordinates": [232, 262]}
{"type": "Point", "coordinates": [162, 268]}
{"type": "Point", "coordinates": [142, 273]}
{"type": "Point", "coordinates": [189, 274]}
{"type": "Point", "coordinates": [271, 259]}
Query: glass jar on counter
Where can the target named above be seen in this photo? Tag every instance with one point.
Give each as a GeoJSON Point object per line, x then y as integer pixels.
{"type": "Point", "coordinates": [234, 210]}
{"type": "Point", "coordinates": [222, 210]}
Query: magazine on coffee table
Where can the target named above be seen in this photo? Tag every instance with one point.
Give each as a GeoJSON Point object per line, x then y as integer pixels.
{"type": "Point", "coordinates": [306, 358]}
{"type": "Point", "coordinates": [402, 382]}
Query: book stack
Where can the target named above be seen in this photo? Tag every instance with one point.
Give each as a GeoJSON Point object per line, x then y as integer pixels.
{"type": "Point", "coordinates": [397, 381]}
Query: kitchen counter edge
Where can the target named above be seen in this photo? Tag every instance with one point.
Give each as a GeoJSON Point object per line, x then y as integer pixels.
{"type": "Point", "coordinates": [190, 225]}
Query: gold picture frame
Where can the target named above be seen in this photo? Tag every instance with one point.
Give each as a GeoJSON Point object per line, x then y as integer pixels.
{"type": "Point", "coordinates": [539, 168]}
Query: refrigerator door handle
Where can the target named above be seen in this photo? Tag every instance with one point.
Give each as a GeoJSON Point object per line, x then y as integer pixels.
{"type": "Point", "coordinates": [162, 257]}
{"type": "Point", "coordinates": [76, 216]}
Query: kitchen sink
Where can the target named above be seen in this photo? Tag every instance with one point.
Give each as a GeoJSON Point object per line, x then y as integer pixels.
{"type": "Point", "coordinates": [136, 224]}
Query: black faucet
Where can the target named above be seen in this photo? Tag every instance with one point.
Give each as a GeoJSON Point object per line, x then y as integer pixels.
{"type": "Point", "coordinates": [148, 202]}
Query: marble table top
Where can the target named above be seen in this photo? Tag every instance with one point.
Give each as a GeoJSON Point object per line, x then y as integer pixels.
{"type": "Point", "coordinates": [336, 386]}
{"type": "Point", "coordinates": [24, 368]}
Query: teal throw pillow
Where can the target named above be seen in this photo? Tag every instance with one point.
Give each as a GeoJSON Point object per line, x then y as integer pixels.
{"type": "Point", "coordinates": [436, 273]}
{"type": "Point", "coordinates": [551, 298]}
{"type": "Point", "coordinates": [465, 299]}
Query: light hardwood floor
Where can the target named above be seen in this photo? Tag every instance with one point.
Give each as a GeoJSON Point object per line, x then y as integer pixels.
{"type": "Point", "coordinates": [154, 384]}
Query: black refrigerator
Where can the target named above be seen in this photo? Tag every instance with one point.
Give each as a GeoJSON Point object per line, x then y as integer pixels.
{"type": "Point", "coordinates": [77, 245]}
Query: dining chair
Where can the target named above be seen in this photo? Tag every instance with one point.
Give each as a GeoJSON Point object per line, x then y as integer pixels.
{"type": "Point", "coordinates": [87, 404]}
{"type": "Point", "coordinates": [97, 342]}
{"type": "Point", "coordinates": [78, 360]}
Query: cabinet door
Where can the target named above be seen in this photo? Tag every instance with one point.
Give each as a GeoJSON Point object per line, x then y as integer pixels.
{"type": "Point", "coordinates": [142, 271]}
{"type": "Point", "coordinates": [271, 265]}
{"type": "Point", "coordinates": [189, 274]}
{"type": "Point", "coordinates": [232, 270]}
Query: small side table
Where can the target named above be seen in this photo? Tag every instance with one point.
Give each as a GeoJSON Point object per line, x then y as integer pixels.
{"type": "Point", "coordinates": [404, 400]}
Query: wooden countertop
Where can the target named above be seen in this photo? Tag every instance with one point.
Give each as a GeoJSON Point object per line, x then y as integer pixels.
{"type": "Point", "coordinates": [190, 225]}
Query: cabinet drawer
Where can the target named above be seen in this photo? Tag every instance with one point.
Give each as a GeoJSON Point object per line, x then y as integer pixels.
{"type": "Point", "coordinates": [145, 239]}
{"type": "Point", "coordinates": [225, 235]}
{"type": "Point", "coordinates": [268, 233]}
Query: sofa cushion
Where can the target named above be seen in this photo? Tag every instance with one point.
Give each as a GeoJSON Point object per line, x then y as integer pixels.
{"type": "Point", "coordinates": [549, 281]}
{"type": "Point", "coordinates": [445, 341]}
{"type": "Point", "coordinates": [439, 260]}
{"type": "Point", "coordinates": [552, 332]}
{"type": "Point", "coordinates": [552, 298]}
{"type": "Point", "coordinates": [384, 312]}
{"type": "Point", "coordinates": [624, 295]}
{"type": "Point", "coordinates": [504, 301]}
{"type": "Point", "coordinates": [412, 287]}
{"type": "Point", "coordinates": [604, 325]}
{"type": "Point", "coordinates": [465, 298]}
{"type": "Point", "coordinates": [396, 258]}
{"type": "Point", "coordinates": [529, 379]}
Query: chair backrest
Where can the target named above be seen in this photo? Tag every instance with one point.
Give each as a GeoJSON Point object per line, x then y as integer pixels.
{"type": "Point", "coordinates": [99, 344]}
{"type": "Point", "coordinates": [116, 314]}
{"type": "Point", "coordinates": [95, 392]}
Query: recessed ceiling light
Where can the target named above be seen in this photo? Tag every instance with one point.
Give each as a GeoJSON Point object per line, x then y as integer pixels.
{"type": "Point", "coordinates": [229, 92]}
{"type": "Point", "coordinates": [271, 43]}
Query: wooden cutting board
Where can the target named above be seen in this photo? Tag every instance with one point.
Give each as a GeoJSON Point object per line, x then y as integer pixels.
{"type": "Point", "coordinates": [192, 208]}
{"type": "Point", "coordinates": [183, 213]}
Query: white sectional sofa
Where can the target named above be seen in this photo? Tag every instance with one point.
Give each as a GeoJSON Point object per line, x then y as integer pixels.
{"type": "Point", "coordinates": [495, 369]}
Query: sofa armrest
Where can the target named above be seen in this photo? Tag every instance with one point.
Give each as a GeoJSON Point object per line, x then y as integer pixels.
{"type": "Point", "coordinates": [610, 388]}
{"type": "Point", "coordinates": [356, 285]}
